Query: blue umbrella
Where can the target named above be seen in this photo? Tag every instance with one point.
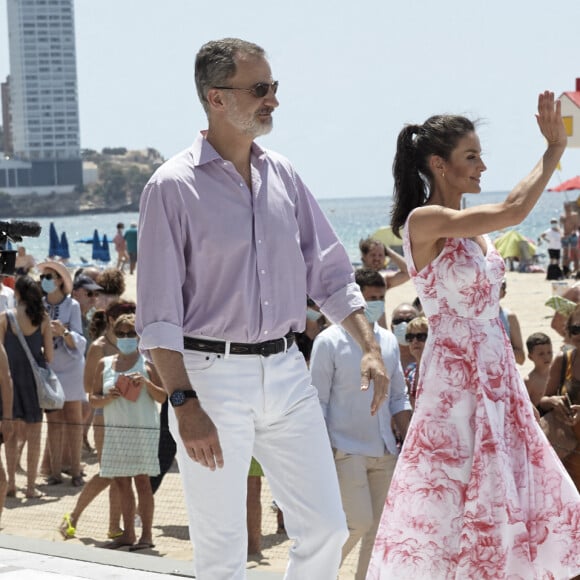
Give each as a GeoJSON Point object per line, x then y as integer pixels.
{"type": "Point", "coordinates": [53, 242]}
{"type": "Point", "coordinates": [96, 246]}
{"type": "Point", "coordinates": [105, 254]}
{"type": "Point", "coordinates": [63, 248]}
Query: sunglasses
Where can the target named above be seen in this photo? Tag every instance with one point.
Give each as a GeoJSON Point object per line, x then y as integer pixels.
{"type": "Point", "coordinates": [574, 329]}
{"type": "Point", "coordinates": [420, 336]}
{"type": "Point", "coordinates": [259, 90]}
{"type": "Point", "coordinates": [91, 293]}
{"type": "Point", "coordinates": [396, 321]}
{"type": "Point", "coordinates": [48, 276]}
{"type": "Point", "coordinates": [128, 334]}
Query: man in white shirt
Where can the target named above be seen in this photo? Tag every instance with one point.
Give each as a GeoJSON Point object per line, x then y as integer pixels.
{"type": "Point", "coordinates": [364, 446]}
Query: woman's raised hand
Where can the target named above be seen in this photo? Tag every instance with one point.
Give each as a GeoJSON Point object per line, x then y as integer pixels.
{"type": "Point", "coordinates": [549, 119]}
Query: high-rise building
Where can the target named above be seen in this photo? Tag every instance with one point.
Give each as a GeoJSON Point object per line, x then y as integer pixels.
{"type": "Point", "coordinates": [43, 110]}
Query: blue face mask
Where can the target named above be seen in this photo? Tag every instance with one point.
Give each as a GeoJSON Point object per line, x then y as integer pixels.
{"type": "Point", "coordinates": [312, 314]}
{"type": "Point", "coordinates": [375, 309]}
{"type": "Point", "coordinates": [48, 285]}
{"type": "Point", "coordinates": [127, 345]}
{"type": "Point", "coordinates": [399, 330]}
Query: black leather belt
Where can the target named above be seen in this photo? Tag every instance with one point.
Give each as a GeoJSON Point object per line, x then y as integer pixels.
{"type": "Point", "coordinates": [261, 348]}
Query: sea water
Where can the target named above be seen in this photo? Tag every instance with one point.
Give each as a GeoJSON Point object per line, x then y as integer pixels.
{"type": "Point", "coordinates": [352, 218]}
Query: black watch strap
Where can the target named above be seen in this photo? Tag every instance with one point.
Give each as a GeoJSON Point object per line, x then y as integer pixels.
{"type": "Point", "coordinates": [178, 398]}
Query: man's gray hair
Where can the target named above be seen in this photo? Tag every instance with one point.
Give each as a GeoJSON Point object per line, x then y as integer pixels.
{"type": "Point", "coordinates": [215, 63]}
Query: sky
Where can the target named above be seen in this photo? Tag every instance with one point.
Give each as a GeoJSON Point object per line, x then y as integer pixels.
{"type": "Point", "coordinates": [351, 75]}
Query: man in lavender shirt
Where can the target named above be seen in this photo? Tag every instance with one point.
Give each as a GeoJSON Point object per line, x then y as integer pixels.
{"type": "Point", "coordinates": [231, 243]}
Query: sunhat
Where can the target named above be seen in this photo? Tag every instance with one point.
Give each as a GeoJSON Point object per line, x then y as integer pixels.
{"type": "Point", "coordinates": [62, 271]}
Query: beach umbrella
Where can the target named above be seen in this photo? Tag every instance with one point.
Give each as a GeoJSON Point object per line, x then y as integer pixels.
{"type": "Point", "coordinates": [509, 245]}
{"type": "Point", "coordinates": [568, 185]}
{"type": "Point", "coordinates": [53, 241]}
{"type": "Point", "coordinates": [63, 247]}
{"type": "Point", "coordinates": [96, 246]}
{"type": "Point", "coordinates": [105, 254]}
{"type": "Point", "coordinates": [386, 235]}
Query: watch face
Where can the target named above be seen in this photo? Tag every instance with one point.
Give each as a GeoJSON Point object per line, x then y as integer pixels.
{"type": "Point", "coordinates": [177, 398]}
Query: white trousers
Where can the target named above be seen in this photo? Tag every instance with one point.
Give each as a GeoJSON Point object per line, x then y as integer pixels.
{"type": "Point", "coordinates": [265, 407]}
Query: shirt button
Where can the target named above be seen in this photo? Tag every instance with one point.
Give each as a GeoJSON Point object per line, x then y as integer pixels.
{"type": "Point", "coordinates": [262, 271]}
{"type": "Point", "coordinates": [266, 303]}
{"type": "Point", "coordinates": [241, 184]}
{"type": "Point", "coordinates": [259, 241]}
{"type": "Point", "coordinates": [265, 332]}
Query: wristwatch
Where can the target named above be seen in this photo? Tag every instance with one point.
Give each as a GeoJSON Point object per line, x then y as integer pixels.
{"type": "Point", "coordinates": [66, 332]}
{"type": "Point", "coordinates": [178, 398]}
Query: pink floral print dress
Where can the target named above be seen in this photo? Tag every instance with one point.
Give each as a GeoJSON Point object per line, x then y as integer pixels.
{"type": "Point", "coordinates": [478, 492]}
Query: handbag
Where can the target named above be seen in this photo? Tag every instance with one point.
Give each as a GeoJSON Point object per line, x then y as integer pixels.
{"type": "Point", "coordinates": [560, 435]}
{"type": "Point", "coordinates": [48, 387]}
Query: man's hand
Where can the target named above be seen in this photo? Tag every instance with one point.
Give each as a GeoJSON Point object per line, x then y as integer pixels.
{"type": "Point", "coordinates": [372, 368]}
{"type": "Point", "coordinates": [199, 435]}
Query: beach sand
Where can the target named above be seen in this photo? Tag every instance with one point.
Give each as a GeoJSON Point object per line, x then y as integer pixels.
{"type": "Point", "coordinates": [526, 295]}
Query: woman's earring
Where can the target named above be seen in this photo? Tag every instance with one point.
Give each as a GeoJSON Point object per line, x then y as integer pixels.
{"type": "Point", "coordinates": [443, 175]}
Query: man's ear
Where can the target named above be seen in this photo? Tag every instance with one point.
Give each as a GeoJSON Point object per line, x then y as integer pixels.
{"type": "Point", "coordinates": [215, 99]}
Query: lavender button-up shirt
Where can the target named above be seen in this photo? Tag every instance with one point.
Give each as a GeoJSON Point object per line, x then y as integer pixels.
{"type": "Point", "coordinates": [219, 260]}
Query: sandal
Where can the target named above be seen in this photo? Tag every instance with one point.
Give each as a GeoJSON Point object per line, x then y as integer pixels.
{"type": "Point", "coordinates": [114, 535]}
{"type": "Point", "coordinates": [78, 481]}
{"type": "Point", "coordinates": [51, 480]}
{"type": "Point", "coordinates": [66, 528]}
{"type": "Point", "coordinates": [141, 546]}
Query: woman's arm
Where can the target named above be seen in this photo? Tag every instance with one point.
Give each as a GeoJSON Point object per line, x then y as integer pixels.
{"type": "Point", "coordinates": [156, 392]}
{"type": "Point", "coordinates": [47, 344]}
{"type": "Point", "coordinates": [94, 355]}
{"type": "Point", "coordinates": [97, 398]}
{"type": "Point", "coordinates": [516, 338]}
{"type": "Point", "coordinates": [431, 223]}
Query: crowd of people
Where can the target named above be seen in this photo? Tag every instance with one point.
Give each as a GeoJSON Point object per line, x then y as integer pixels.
{"type": "Point", "coordinates": [420, 441]}
{"type": "Point", "coordinates": [79, 324]}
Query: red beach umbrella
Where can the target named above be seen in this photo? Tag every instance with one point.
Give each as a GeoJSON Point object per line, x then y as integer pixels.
{"type": "Point", "coordinates": [568, 185]}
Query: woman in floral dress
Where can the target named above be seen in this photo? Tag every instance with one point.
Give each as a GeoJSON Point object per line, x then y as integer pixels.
{"type": "Point", "coordinates": [478, 491]}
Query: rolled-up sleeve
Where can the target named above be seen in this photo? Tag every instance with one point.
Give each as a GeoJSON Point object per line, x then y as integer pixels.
{"type": "Point", "coordinates": [161, 273]}
{"type": "Point", "coordinates": [330, 275]}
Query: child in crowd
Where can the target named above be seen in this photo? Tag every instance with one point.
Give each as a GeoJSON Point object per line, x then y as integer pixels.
{"type": "Point", "coordinates": [541, 354]}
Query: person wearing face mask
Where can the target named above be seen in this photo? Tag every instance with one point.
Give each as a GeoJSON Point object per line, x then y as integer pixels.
{"type": "Point", "coordinates": [127, 389]}
{"type": "Point", "coordinates": [64, 425]}
{"type": "Point", "coordinates": [400, 318]}
{"type": "Point", "coordinates": [365, 449]}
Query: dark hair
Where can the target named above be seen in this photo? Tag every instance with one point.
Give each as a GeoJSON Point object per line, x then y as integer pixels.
{"type": "Point", "coordinates": [215, 63]}
{"type": "Point", "coordinates": [120, 225]}
{"type": "Point", "coordinates": [536, 339]}
{"type": "Point", "coordinates": [366, 245]}
{"type": "Point", "coordinates": [114, 310]}
{"type": "Point", "coordinates": [439, 135]}
{"type": "Point", "coordinates": [112, 281]}
{"type": "Point", "coordinates": [30, 294]}
{"type": "Point", "coordinates": [368, 277]}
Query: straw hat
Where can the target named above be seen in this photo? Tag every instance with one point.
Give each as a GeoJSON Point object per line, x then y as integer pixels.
{"type": "Point", "coordinates": [61, 270]}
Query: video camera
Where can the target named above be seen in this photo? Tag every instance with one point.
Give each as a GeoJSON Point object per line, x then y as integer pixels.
{"type": "Point", "coordinates": [14, 232]}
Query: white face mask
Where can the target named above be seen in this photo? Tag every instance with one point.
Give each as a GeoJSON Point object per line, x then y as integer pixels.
{"type": "Point", "coordinates": [399, 330]}
{"type": "Point", "coordinates": [374, 310]}
{"type": "Point", "coordinates": [312, 314]}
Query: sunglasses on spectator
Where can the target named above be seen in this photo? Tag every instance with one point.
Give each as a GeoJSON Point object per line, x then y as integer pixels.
{"type": "Point", "coordinates": [91, 293]}
{"type": "Point", "coordinates": [396, 321]}
{"type": "Point", "coordinates": [48, 276]}
{"type": "Point", "coordinates": [574, 329]}
{"type": "Point", "coordinates": [420, 336]}
{"type": "Point", "coordinates": [128, 334]}
{"type": "Point", "coordinates": [259, 90]}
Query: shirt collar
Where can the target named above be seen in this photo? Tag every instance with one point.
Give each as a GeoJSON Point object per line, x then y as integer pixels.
{"type": "Point", "coordinates": [203, 152]}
